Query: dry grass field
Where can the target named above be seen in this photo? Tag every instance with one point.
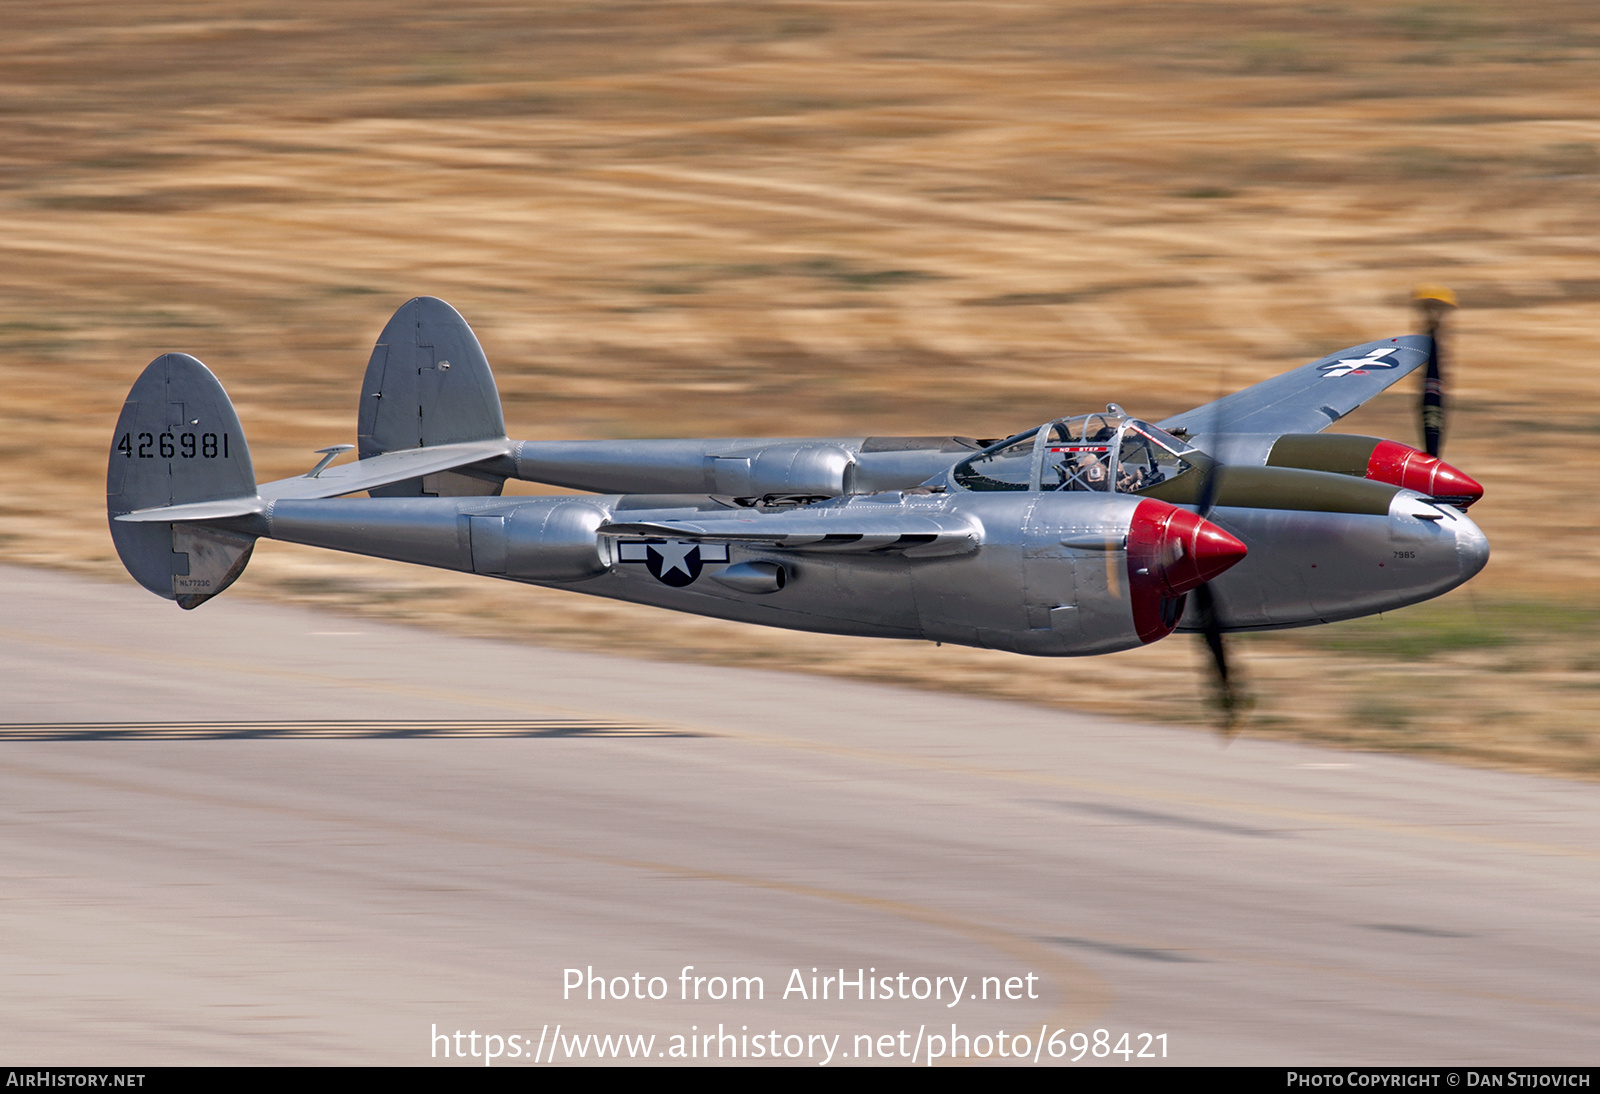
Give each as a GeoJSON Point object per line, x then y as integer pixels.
{"type": "Point", "coordinates": [715, 218]}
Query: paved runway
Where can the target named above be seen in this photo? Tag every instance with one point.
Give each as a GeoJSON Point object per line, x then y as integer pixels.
{"type": "Point", "coordinates": [261, 835]}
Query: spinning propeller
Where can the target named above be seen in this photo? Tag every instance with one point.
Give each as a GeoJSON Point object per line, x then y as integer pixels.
{"type": "Point", "coordinates": [1433, 301]}
{"type": "Point", "coordinates": [1229, 699]}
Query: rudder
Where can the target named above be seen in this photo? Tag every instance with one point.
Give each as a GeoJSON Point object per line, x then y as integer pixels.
{"type": "Point", "coordinates": [428, 383]}
{"type": "Point", "coordinates": [178, 441]}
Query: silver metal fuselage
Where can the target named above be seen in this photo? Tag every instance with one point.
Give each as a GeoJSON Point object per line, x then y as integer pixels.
{"type": "Point", "coordinates": [1027, 583]}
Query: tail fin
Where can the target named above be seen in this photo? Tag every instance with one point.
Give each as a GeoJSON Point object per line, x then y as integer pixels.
{"type": "Point", "coordinates": [178, 441]}
{"type": "Point", "coordinates": [428, 383]}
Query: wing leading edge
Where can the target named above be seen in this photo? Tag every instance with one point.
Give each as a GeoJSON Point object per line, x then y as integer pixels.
{"type": "Point", "coordinates": [1312, 397]}
{"type": "Point", "coordinates": [916, 535]}
{"type": "Point", "coordinates": [332, 482]}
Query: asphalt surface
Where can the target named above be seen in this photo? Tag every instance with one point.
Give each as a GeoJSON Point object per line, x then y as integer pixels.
{"type": "Point", "coordinates": [252, 834]}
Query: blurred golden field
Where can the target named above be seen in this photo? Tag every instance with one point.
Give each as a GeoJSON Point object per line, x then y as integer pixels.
{"type": "Point", "coordinates": [679, 219]}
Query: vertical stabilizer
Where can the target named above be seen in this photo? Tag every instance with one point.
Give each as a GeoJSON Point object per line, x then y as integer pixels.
{"type": "Point", "coordinates": [428, 383]}
{"type": "Point", "coordinates": [178, 441]}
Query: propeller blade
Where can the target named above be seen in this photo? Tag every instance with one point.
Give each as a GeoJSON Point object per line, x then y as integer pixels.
{"type": "Point", "coordinates": [1211, 483]}
{"type": "Point", "coordinates": [1432, 301]}
{"type": "Point", "coordinates": [1229, 700]}
{"type": "Point", "coordinates": [1433, 397]}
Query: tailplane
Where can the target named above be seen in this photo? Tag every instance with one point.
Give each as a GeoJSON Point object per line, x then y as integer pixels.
{"type": "Point", "coordinates": [178, 442]}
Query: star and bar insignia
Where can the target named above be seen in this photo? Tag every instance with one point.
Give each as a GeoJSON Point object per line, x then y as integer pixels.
{"type": "Point", "coordinates": [1380, 358]}
{"type": "Point", "coordinates": [672, 562]}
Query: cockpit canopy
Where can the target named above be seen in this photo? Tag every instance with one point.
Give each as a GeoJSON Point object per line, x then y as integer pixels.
{"type": "Point", "coordinates": [1105, 452]}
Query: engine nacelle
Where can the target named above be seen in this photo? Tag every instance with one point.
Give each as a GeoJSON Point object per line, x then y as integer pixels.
{"type": "Point", "coordinates": [540, 541]}
{"type": "Point", "coordinates": [812, 469]}
{"type": "Point", "coordinates": [1376, 459]}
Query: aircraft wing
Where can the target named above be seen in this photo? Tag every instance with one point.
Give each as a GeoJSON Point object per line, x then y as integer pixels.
{"type": "Point", "coordinates": [842, 529]}
{"type": "Point", "coordinates": [1312, 397]}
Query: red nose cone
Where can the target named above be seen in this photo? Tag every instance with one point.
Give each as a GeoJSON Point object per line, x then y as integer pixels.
{"type": "Point", "coordinates": [1170, 552]}
{"type": "Point", "coordinates": [1402, 465]}
{"type": "Point", "coordinates": [1214, 551]}
{"type": "Point", "coordinates": [1178, 549]}
{"type": "Point", "coordinates": [1455, 486]}
{"type": "Point", "coordinates": [1194, 551]}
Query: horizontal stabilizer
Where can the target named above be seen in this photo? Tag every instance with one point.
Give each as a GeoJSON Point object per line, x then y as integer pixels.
{"type": "Point", "coordinates": [391, 467]}
{"type": "Point", "coordinates": [196, 511]}
{"type": "Point", "coordinates": [331, 482]}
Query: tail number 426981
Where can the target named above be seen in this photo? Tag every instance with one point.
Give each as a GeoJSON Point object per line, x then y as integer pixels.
{"type": "Point", "coordinates": [188, 446]}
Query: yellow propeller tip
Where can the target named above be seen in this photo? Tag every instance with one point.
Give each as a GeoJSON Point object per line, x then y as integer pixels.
{"type": "Point", "coordinates": [1433, 294]}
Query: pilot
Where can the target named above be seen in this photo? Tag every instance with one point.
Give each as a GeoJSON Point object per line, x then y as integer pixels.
{"type": "Point", "coordinates": [1090, 468]}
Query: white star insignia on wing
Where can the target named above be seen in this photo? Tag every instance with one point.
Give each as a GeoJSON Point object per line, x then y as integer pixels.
{"type": "Point", "coordinates": [1348, 365]}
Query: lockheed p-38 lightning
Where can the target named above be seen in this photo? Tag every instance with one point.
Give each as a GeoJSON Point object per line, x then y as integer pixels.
{"type": "Point", "coordinates": [1087, 534]}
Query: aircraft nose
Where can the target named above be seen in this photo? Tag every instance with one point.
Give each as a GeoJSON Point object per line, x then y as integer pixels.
{"type": "Point", "coordinates": [1446, 546]}
{"type": "Point", "coordinates": [1472, 548]}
